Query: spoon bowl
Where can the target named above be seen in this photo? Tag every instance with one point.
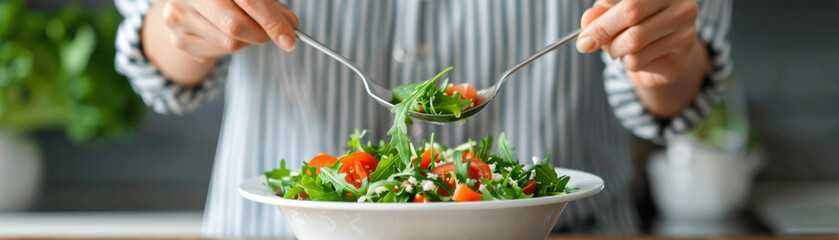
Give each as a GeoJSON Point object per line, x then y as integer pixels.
{"type": "Point", "coordinates": [486, 95]}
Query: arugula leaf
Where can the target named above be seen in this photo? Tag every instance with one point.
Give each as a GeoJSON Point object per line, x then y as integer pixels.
{"type": "Point", "coordinates": [545, 174]}
{"type": "Point", "coordinates": [561, 183]}
{"type": "Point", "coordinates": [384, 169]}
{"type": "Point", "coordinates": [355, 141]}
{"type": "Point", "coordinates": [402, 92]}
{"type": "Point", "coordinates": [330, 175]}
{"type": "Point", "coordinates": [278, 173]}
{"type": "Point", "coordinates": [389, 184]}
{"type": "Point", "coordinates": [462, 168]}
{"type": "Point", "coordinates": [484, 147]}
{"type": "Point", "coordinates": [291, 194]}
{"type": "Point", "coordinates": [318, 193]}
{"type": "Point", "coordinates": [445, 104]}
{"type": "Point", "coordinates": [399, 131]}
{"type": "Point", "coordinates": [505, 148]}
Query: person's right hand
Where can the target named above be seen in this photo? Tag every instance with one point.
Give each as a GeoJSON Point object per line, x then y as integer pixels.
{"type": "Point", "coordinates": [206, 29]}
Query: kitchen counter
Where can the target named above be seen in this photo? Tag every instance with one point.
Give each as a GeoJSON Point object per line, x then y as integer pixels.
{"type": "Point", "coordinates": [178, 226]}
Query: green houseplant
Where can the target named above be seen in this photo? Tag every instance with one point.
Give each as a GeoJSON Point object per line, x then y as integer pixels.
{"type": "Point", "coordinates": [57, 72]}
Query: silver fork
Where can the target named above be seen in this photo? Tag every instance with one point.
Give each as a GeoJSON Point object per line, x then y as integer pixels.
{"type": "Point", "coordinates": [486, 95]}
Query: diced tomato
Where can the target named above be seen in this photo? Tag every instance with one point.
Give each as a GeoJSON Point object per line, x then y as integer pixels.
{"type": "Point", "coordinates": [467, 91]}
{"type": "Point", "coordinates": [321, 160]}
{"type": "Point", "coordinates": [469, 155]}
{"type": "Point", "coordinates": [426, 158]}
{"type": "Point", "coordinates": [529, 187]}
{"type": "Point", "coordinates": [419, 198]}
{"type": "Point", "coordinates": [463, 193]}
{"type": "Point", "coordinates": [303, 195]}
{"type": "Point", "coordinates": [358, 166]}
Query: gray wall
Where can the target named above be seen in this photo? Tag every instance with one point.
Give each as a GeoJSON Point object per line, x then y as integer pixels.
{"type": "Point", "coordinates": [786, 55]}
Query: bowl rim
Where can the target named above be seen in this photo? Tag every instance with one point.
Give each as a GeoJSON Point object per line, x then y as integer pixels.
{"type": "Point", "coordinates": [589, 184]}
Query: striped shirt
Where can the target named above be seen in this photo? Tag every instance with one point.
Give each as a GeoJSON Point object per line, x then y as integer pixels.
{"type": "Point", "coordinates": [279, 105]}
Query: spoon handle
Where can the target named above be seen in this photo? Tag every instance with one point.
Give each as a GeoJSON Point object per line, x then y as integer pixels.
{"type": "Point", "coordinates": [553, 46]}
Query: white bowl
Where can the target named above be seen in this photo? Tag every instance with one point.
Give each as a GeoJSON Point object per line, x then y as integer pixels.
{"type": "Point", "coordinates": [509, 219]}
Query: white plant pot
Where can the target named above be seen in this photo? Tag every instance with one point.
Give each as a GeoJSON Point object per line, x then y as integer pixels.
{"type": "Point", "coordinates": [21, 172]}
{"type": "Point", "coordinates": [699, 190]}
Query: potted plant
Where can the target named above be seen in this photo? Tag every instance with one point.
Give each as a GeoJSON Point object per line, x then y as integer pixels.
{"type": "Point", "coordinates": [56, 72]}
{"type": "Point", "coordinates": [702, 180]}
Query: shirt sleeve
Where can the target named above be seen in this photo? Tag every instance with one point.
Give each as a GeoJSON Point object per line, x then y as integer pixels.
{"type": "Point", "coordinates": [160, 93]}
{"type": "Point", "coordinates": [712, 24]}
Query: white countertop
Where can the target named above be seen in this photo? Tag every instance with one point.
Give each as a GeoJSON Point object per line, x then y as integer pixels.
{"type": "Point", "coordinates": [100, 224]}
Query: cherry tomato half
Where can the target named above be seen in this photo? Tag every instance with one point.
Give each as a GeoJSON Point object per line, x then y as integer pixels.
{"type": "Point", "coordinates": [529, 187]}
{"type": "Point", "coordinates": [321, 160]}
{"type": "Point", "coordinates": [477, 170]}
{"type": "Point", "coordinates": [358, 166]}
{"type": "Point", "coordinates": [467, 91]}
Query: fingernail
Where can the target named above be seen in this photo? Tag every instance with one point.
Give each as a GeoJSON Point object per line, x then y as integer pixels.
{"type": "Point", "coordinates": [585, 44]}
{"type": "Point", "coordinates": [286, 42]}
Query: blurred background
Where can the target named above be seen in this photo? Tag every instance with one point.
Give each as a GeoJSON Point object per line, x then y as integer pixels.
{"type": "Point", "coordinates": [74, 139]}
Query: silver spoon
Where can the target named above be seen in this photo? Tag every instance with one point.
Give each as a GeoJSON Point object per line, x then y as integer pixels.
{"type": "Point", "coordinates": [486, 95]}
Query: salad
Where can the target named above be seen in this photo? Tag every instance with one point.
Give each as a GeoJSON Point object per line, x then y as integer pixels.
{"type": "Point", "coordinates": [398, 172]}
{"type": "Point", "coordinates": [446, 99]}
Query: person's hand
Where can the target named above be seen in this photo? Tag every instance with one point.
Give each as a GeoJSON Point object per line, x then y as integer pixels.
{"type": "Point", "coordinates": [654, 39]}
{"type": "Point", "coordinates": [206, 29]}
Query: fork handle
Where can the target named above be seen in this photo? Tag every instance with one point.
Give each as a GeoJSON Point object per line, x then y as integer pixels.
{"type": "Point", "coordinates": [553, 46]}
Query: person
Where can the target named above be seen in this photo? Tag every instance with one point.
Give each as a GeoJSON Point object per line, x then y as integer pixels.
{"type": "Point", "coordinates": [663, 65]}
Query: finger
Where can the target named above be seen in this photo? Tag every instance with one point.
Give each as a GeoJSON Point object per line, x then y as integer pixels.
{"type": "Point", "coordinates": [196, 47]}
{"type": "Point", "coordinates": [635, 38]}
{"type": "Point", "coordinates": [623, 15]}
{"type": "Point", "coordinates": [673, 44]}
{"type": "Point", "coordinates": [174, 16]}
{"type": "Point", "coordinates": [231, 20]}
{"type": "Point", "coordinates": [265, 12]}
{"type": "Point", "coordinates": [292, 18]}
{"type": "Point", "coordinates": [654, 28]}
{"type": "Point", "coordinates": [591, 14]}
{"type": "Point", "coordinates": [204, 28]}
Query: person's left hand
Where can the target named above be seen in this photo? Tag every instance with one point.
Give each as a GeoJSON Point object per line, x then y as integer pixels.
{"type": "Point", "coordinates": [654, 39]}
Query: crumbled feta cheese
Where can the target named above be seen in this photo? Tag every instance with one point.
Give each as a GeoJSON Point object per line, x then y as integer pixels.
{"type": "Point", "coordinates": [492, 167]}
{"type": "Point", "coordinates": [395, 188]}
{"type": "Point", "coordinates": [427, 185]}
{"type": "Point", "coordinates": [482, 188]}
{"type": "Point", "coordinates": [513, 182]}
{"type": "Point", "coordinates": [412, 181]}
{"type": "Point", "coordinates": [409, 188]}
{"type": "Point", "coordinates": [432, 176]}
{"type": "Point", "coordinates": [384, 156]}
{"type": "Point", "coordinates": [497, 177]}
{"type": "Point", "coordinates": [535, 160]}
{"type": "Point", "coordinates": [362, 199]}
{"type": "Point", "coordinates": [450, 155]}
{"type": "Point", "coordinates": [509, 169]}
{"type": "Point", "coordinates": [380, 190]}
